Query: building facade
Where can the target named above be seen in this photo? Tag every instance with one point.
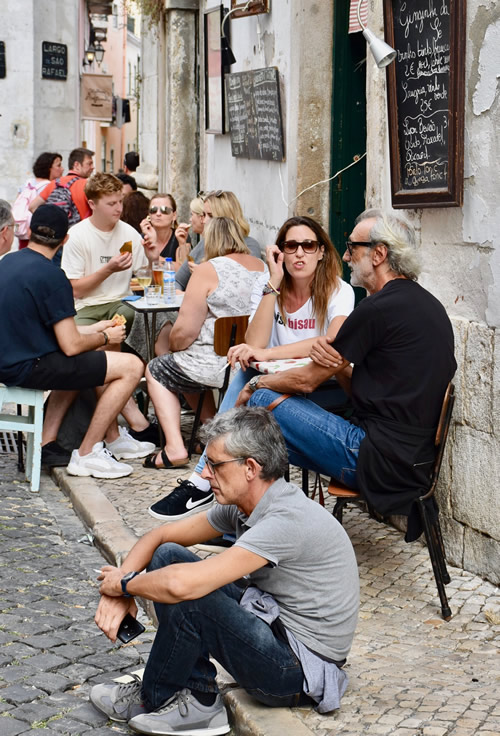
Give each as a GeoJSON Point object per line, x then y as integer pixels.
{"type": "Point", "coordinates": [329, 125]}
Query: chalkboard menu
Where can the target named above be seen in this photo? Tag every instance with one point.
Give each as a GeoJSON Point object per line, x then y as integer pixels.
{"type": "Point", "coordinates": [54, 60]}
{"type": "Point", "coordinates": [426, 101]}
{"type": "Point", "coordinates": [254, 111]}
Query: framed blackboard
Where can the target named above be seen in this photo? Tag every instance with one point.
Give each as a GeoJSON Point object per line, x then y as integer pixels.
{"type": "Point", "coordinates": [425, 92]}
{"type": "Point", "coordinates": [254, 112]}
{"type": "Point", "coordinates": [54, 60]}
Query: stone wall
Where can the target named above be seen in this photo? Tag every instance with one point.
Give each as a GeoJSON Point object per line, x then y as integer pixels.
{"type": "Point", "coordinates": [460, 250]}
{"type": "Point", "coordinates": [37, 114]}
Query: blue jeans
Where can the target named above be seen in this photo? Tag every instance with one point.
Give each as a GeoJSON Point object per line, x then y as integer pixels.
{"type": "Point", "coordinates": [243, 644]}
{"type": "Point", "coordinates": [315, 439]}
{"type": "Point", "coordinates": [240, 379]}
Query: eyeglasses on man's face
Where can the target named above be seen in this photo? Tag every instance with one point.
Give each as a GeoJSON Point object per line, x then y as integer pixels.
{"type": "Point", "coordinates": [291, 246]}
{"type": "Point", "coordinates": [212, 466]}
{"type": "Point", "coordinates": [351, 244]}
{"type": "Point", "coordinates": [162, 208]}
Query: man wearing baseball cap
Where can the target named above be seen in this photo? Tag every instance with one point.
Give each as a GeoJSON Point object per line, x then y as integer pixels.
{"type": "Point", "coordinates": [42, 348]}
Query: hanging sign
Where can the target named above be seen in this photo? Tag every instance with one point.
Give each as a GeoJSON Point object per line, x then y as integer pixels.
{"type": "Point", "coordinates": [97, 97]}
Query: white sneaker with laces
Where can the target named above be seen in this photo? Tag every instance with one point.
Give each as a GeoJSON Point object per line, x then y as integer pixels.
{"type": "Point", "coordinates": [99, 464]}
{"type": "Point", "coordinates": [127, 447]}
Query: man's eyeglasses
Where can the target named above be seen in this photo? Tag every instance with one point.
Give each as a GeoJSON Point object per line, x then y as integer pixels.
{"type": "Point", "coordinates": [212, 466]}
{"type": "Point", "coordinates": [351, 244]}
{"type": "Point", "coordinates": [290, 246]}
{"type": "Point", "coordinates": [163, 209]}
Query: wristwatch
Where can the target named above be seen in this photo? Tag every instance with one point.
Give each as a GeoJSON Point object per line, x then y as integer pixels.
{"type": "Point", "coordinates": [252, 384]}
{"type": "Point", "coordinates": [126, 579]}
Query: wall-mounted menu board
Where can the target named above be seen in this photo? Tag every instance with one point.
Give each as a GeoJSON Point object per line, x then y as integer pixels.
{"type": "Point", "coordinates": [426, 101]}
{"type": "Point", "coordinates": [254, 112]}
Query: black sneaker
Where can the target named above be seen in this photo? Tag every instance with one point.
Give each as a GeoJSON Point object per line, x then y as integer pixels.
{"type": "Point", "coordinates": [150, 434]}
{"type": "Point", "coordinates": [54, 455]}
{"type": "Point", "coordinates": [183, 501]}
{"type": "Point", "coordinates": [215, 545]}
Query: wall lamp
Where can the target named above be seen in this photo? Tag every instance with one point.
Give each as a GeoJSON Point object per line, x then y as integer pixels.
{"type": "Point", "coordinates": [382, 52]}
{"type": "Point", "coordinates": [227, 56]}
{"type": "Point", "coordinates": [99, 53]}
{"type": "Point", "coordinates": [89, 55]}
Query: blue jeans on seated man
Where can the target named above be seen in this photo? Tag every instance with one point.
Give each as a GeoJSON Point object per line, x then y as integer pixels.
{"type": "Point", "coordinates": [315, 439]}
{"type": "Point", "coordinates": [240, 379]}
{"type": "Point", "coordinates": [241, 642]}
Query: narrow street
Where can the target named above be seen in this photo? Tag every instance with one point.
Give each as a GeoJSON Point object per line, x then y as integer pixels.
{"type": "Point", "coordinates": [51, 652]}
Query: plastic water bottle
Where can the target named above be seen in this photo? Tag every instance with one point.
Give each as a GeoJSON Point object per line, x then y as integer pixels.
{"type": "Point", "coordinates": [168, 282]}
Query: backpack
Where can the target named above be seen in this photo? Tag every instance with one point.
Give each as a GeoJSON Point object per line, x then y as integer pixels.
{"type": "Point", "coordinates": [20, 211]}
{"type": "Point", "coordinates": [61, 197]}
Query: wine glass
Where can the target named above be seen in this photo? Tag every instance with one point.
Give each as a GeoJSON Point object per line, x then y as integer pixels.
{"type": "Point", "coordinates": [144, 276]}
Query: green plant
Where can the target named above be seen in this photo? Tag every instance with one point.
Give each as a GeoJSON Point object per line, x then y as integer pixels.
{"type": "Point", "coordinates": [151, 9]}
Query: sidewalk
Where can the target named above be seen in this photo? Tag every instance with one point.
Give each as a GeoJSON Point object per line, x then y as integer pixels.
{"type": "Point", "coordinates": [411, 673]}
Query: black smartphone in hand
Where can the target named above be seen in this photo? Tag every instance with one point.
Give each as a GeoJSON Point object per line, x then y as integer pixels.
{"type": "Point", "coordinates": [130, 627]}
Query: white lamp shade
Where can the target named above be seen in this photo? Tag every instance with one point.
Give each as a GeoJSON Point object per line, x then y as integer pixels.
{"type": "Point", "coordinates": [382, 52]}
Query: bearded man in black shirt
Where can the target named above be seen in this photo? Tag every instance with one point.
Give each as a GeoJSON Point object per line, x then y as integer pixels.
{"type": "Point", "coordinates": [393, 355]}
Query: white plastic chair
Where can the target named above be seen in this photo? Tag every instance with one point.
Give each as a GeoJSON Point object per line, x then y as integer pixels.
{"type": "Point", "coordinates": [31, 423]}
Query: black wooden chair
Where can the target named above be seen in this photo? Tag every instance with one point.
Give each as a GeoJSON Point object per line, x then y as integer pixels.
{"type": "Point", "coordinates": [430, 522]}
{"type": "Point", "coordinates": [228, 331]}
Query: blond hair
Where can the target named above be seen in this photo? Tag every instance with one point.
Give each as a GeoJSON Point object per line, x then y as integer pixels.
{"type": "Point", "coordinates": [226, 204]}
{"type": "Point", "coordinates": [101, 184]}
{"type": "Point", "coordinates": [222, 236]}
{"type": "Point", "coordinates": [196, 206]}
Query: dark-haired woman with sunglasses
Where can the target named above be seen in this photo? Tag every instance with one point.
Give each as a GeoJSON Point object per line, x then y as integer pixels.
{"type": "Point", "coordinates": [159, 228]}
{"type": "Point", "coordinates": [301, 298]}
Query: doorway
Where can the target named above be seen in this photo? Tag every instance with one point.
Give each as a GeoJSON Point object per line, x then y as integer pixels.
{"type": "Point", "coordinates": [347, 191]}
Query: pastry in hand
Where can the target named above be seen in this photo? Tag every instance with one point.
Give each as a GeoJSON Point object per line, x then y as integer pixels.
{"type": "Point", "coordinates": [126, 247]}
{"type": "Point", "coordinates": [119, 319]}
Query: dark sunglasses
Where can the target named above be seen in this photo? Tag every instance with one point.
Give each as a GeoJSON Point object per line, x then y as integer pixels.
{"type": "Point", "coordinates": [351, 244]}
{"type": "Point", "coordinates": [290, 246]}
{"type": "Point", "coordinates": [163, 209]}
{"type": "Point", "coordinates": [215, 193]}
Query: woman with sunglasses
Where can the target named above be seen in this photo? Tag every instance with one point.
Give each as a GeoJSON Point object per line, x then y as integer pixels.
{"type": "Point", "coordinates": [159, 228]}
{"type": "Point", "coordinates": [220, 287]}
{"type": "Point", "coordinates": [218, 203]}
{"type": "Point", "coordinates": [301, 298]}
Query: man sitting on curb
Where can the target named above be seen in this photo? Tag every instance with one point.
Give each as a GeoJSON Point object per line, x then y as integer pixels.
{"type": "Point", "coordinates": [283, 632]}
{"type": "Point", "coordinates": [42, 348]}
{"type": "Point", "coordinates": [400, 341]}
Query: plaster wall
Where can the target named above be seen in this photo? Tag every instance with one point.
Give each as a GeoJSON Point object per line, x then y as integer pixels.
{"type": "Point", "coordinates": [37, 114]}
{"type": "Point", "coordinates": [460, 249]}
{"type": "Point", "coordinates": [288, 37]}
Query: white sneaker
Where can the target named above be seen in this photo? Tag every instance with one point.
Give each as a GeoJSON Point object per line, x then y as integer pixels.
{"type": "Point", "coordinates": [127, 447]}
{"type": "Point", "coordinates": [99, 464]}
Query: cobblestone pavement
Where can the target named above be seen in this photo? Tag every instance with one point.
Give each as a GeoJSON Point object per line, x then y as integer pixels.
{"type": "Point", "coordinates": [51, 651]}
{"type": "Point", "coordinates": [411, 673]}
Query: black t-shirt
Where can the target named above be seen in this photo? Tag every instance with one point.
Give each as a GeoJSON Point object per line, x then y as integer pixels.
{"type": "Point", "coordinates": [34, 295]}
{"type": "Point", "coordinates": [401, 343]}
{"type": "Point", "coordinates": [170, 249]}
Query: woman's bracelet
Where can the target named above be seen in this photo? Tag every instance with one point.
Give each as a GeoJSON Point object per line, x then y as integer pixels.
{"type": "Point", "coordinates": [270, 289]}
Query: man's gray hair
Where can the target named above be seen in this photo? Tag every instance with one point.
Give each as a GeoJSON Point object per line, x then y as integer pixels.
{"type": "Point", "coordinates": [6, 217]}
{"type": "Point", "coordinates": [250, 432]}
{"type": "Point", "coordinates": [398, 235]}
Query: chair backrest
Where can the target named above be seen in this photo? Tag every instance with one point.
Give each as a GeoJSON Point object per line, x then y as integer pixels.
{"type": "Point", "coordinates": [441, 436]}
{"type": "Point", "coordinates": [229, 331]}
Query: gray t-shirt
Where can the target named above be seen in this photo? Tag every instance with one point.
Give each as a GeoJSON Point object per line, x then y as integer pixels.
{"type": "Point", "coordinates": [312, 572]}
{"type": "Point", "coordinates": [183, 275]}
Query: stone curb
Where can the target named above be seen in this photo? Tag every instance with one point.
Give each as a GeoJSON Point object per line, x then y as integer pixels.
{"type": "Point", "coordinates": [115, 540]}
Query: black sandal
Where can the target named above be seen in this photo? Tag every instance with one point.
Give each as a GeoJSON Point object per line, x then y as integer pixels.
{"type": "Point", "coordinates": [150, 462]}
